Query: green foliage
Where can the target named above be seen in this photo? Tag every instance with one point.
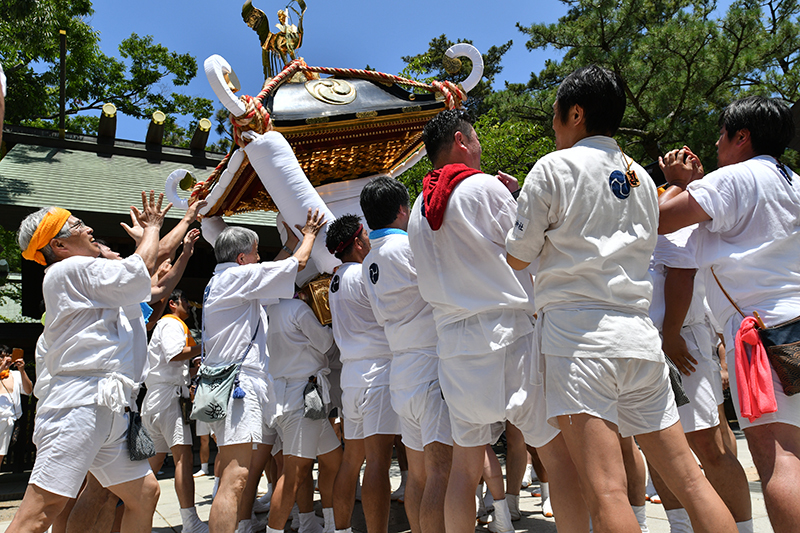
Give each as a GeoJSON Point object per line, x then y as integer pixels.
{"type": "Point", "coordinates": [10, 292]}
{"type": "Point", "coordinates": [512, 146]}
{"type": "Point", "coordinates": [138, 84]}
{"type": "Point", "coordinates": [428, 66]}
{"type": "Point", "coordinates": [679, 63]}
{"type": "Point", "coordinates": [10, 249]}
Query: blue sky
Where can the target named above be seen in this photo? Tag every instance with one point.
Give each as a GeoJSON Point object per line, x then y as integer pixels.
{"type": "Point", "coordinates": [343, 33]}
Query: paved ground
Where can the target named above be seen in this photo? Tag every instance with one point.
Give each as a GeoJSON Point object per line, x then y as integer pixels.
{"type": "Point", "coordinates": [167, 518]}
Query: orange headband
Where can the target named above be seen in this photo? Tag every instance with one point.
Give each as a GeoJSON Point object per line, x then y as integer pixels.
{"type": "Point", "coordinates": [48, 228]}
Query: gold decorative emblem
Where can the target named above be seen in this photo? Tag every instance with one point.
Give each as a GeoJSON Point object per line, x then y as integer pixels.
{"type": "Point", "coordinates": [331, 91]}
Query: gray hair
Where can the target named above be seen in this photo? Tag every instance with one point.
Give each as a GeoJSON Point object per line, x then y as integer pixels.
{"type": "Point", "coordinates": [233, 241]}
{"type": "Point", "coordinates": [28, 227]}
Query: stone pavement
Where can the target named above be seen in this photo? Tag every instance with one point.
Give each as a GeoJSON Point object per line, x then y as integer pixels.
{"type": "Point", "coordinates": [167, 517]}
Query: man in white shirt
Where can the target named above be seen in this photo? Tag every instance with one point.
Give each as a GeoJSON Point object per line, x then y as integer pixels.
{"type": "Point", "coordinates": [370, 423]}
{"type": "Point", "coordinates": [587, 213]}
{"type": "Point", "coordinates": [483, 310]}
{"type": "Point", "coordinates": [391, 282]}
{"type": "Point", "coordinates": [298, 345]}
{"type": "Point", "coordinates": [88, 348]}
{"type": "Point", "coordinates": [235, 331]}
{"type": "Point", "coordinates": [678, 311]}
{"type": "Point", "coordinates": [748, 212]}
{"type": "Point", "coordinates": [170, 349]}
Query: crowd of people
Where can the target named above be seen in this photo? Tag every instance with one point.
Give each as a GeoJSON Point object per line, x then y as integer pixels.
{"type": "Point", "coordinates": [544, 311]}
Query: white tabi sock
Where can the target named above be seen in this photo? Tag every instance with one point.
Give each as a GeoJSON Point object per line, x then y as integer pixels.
{"type": "Point", "coordinates": [187, 514]}
{"type": "Point", "coordinates": [679, 521]}
{"type": "Point", "coordinates": [271, 530]}
{"type": "Point", "coordinates": [309, 524]}
{"type": "Point", "coordinates": [641, 517]}
{"type": "Point", "coordinates": [348, 530]}
{"type": "Point", "coordinates": [502, 517]}
{"type": "Point", "coordinates": [745, 526]}
{"type": "Point", "coordinates": [545, 487]}
{"type": "Point", "coordinates": [245, 526]}
{"type": "Point", "coordinates": [327, 514]}
{"type": "Point", "coordinates": [513, 506]}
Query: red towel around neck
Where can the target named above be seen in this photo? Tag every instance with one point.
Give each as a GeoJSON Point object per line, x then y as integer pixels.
{"type": "Point", "coordinates": [436, 189]}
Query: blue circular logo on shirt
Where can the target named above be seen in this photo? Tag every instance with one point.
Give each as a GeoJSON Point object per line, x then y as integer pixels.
{"type": "Point", "coordinates": [335, 283]}
{"type": "Point", "coordinates": [373, 273]}
{"type": "Point", "coordinates": [619, 185]}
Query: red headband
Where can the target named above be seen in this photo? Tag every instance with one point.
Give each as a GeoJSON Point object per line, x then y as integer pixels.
{"type": "Point", "coordinates": [342, 245]}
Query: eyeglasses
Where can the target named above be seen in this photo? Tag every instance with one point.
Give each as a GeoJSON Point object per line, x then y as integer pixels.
{"type": "Point", "coordinates": [77, 226]}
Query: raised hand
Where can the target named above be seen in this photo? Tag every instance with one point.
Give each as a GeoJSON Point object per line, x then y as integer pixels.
{"type": "Point", "coordinates": [314, 223]}
{"type": "Point", "coordinates": [152, 215]}
{"type": "Point", "coordinates": [189, 240]}
{"type": "Point", "coordinates": [511, 183]}
{"type": "Point", "coordinates": [681, 167]}
{"type": "Point", "coordinates": [134, 230]}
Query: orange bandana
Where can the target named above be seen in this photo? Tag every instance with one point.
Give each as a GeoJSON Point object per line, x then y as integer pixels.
{"type": "Point", "coordinates": [48, 228]}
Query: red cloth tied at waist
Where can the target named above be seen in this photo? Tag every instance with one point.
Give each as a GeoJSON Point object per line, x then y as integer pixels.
{"type": "Point", "coordinates": [754, 377]}
{"type": "Point", "coordinates": [437, 186]}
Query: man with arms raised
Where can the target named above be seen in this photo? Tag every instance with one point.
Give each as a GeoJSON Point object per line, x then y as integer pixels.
{"type": "Point", "coordinates": [586, 217]}
{"type": "Point", "coordinates": [391, 282]}
{"type": "Point", "coordinates": [484, 321]}
{"type": "Point", "coordinates": [234, 331]}
{"type": "Point", "coordinates": [89, 350]}
{"type": "Point", "coordinates": [748, 212]}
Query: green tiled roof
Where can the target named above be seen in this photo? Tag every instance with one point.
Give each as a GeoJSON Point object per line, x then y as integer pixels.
{"type": "Point", "coordinates": [38, 176]}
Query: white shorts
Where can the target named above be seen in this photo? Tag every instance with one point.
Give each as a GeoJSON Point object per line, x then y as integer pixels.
{"type": "Point", "coordinates": [73, 441]}
{"type": "Point", "coordinates": [6, 430]}
{"type": "Point", "coordinates": [247, 417]}
{"type": "Point", "coordinates": [368, 411]}
{"type": "Point", "coordinates": [634, 394]}
{"type": "Point", "coordinates": [481, 390]}
{"type": "Point", "coordinates": [788, 406]}
{"type": "Point", "coordinates": [304, 437]}
{"type": "Point", "coordinates": [704, 386]}
{"type": "Point", "coordinates": [201, 428]}
{"type": "Point", "coordinates": [167, 429]}
{"type": "Point", "coordinates": [423, 413]}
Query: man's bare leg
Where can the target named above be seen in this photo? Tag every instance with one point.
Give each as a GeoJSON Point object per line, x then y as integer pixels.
{"type": "Point", "coordinates": [415, 487]}
{"type": "Point", "coordinates": [438, 458]}
{"type": "Point", "coordinates": [184, 480]}
{"type": "Point", "coordinates": [668, 451]}
{"type": "Point", "coordinates": [328, 465]}
{"type": "Point", "coordinates": [493, 474]}
{"type": "Point", "coordinates": [234, 464]}
{"type": "Point", "coordinates": [38, 510]}
{"type": "Point", "coordinates": [94, 509]}
{"type": "Point", "coordinates": [594, 447]}
{"type": "Point", "coordinates": [140, 497]}
{"type": "Point", "coordinates": [60, 523]}
{"type": "Point", "coordinates": [459, 503]}
{"type": "Point", "coordinates": [344, 486]}
{"type": "Point", "coordinates": [634, 470]}
{"type": "Point", "coordinates": [295, 472]}
{"type": "Point", "coordinates": [258, 460]}
{"type": "Point", "coordinates": [727, 433]}
{"type": "Point", "coordinates": [516, 459]}
{"type": "Point", "coordinates": [776, 453]}
{"type": "Point", "coordinates": [568, 503]}
{"type": "Point", "coordinates": [723, 470]}
{"type": "Point", "coordinates": [376, 490]}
